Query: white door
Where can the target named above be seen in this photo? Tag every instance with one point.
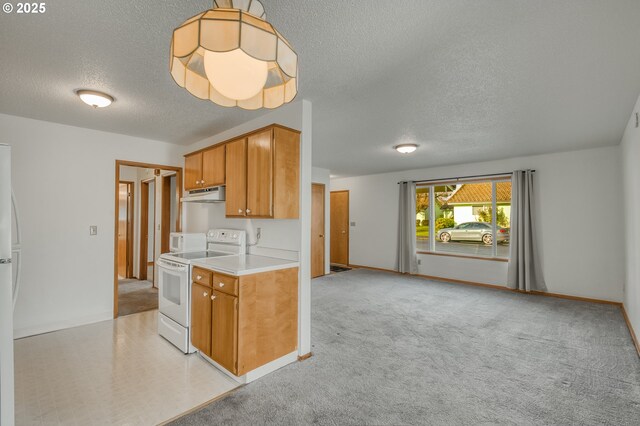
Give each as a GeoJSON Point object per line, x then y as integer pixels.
{"type": "Point", "coordinates": [173, 286]}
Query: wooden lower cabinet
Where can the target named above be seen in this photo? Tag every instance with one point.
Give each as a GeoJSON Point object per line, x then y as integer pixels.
{"type": "Point", "coordinates": [224, 331]}
{"type": "Point", "coordinates": [201, 317]}
{"type": "Point", "coordinates": [244, 332]}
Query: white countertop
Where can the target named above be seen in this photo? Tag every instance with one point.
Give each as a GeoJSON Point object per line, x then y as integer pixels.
{"type": "Point", "coordinates": [245, 264]}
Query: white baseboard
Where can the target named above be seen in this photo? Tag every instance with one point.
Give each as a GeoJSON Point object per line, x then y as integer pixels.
{"type": "Point", "coordinates": [20, 333]}
{"type": "Point", "coordinates": [258, 372]}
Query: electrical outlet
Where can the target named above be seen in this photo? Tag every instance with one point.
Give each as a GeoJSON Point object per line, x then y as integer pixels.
{"type": "Point", "coordinates": [419, 261]}
{"type": "Point", "coordinates": [93, 230]}
{"type": "Point", "coordinates": [259, 233]}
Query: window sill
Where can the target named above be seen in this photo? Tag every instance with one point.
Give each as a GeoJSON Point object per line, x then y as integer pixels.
{"type": "Point", "coordinates": [463, 256]}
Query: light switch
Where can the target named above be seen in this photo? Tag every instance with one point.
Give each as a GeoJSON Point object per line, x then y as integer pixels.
{"type": "Point", "coordinates": [353, 224]}
{"type": "Point", "coordinates": [93, 230]}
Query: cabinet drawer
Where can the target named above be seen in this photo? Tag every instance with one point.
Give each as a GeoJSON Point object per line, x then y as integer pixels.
{"type": "Point", "coordinates": [201, 276]}
{"type": "Point", "coordinates": [225, 284]}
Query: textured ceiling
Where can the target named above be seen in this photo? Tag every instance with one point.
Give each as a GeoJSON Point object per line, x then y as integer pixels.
{"type": "Point", "coordinates": [467, 80]}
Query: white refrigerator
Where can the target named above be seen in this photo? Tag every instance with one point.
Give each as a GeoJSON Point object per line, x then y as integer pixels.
{"type": "Point", "coordinates": [9, 262]}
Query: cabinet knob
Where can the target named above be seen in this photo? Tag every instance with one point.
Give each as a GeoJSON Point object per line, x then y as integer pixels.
{"type": "Point", "coordinates": [248, 211]}
{"type": "Point", "coordinates": [199, 277]}
{"type": "Point", "coordinates": [205, 294]}
{"type": "Point", "coordinates": [221, 284]}
{"type": "Point", "coordinates": [213, 298]}
{"type": "Point", "coordinates": [240, 211]}
{"type": "Point", "coordinates": [202, 181]}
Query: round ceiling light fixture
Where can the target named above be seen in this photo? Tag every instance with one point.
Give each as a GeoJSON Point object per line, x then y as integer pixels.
{"type": "Point", "coordinates": [94, 98]}
{"type": "Point", "coordinates": [233, 57]}
{"type": "Point", "coordinates": [406, 148]}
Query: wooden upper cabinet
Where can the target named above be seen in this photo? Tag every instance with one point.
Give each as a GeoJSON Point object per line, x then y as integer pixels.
{"type": "Point", "coordinates": [286, 174]}
{"type": "Point", "coordinates": [224, 331]}
{"type": "Point", "coordinates": [213, 166]}
{"type": "Point", "coordinates": [193, 171]}
{"type": "Point", "coordinates": [201, 318]}
{"type": "Point", "coordinates": [205, 169]}
{"type": "Point", "coordinates": [260, 174]}
{"type": "Point", "coordinates": [236, 166]}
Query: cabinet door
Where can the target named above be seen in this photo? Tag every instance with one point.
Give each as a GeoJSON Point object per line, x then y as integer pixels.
{"type": "Point", "coordinates": [236, 170]}
{"type": "Point", "coordinates": [201, 318]}
{"type": "Point", "coordinates": [192, 171]}
{"type": "Point", "coordinates": [224, 330]}
{"type": "Point", "coordinates": [286, 169]}
{"type": "Point", "coordinates": [213, 167]}
{"type": "Point", "coordinates": [260, 174]}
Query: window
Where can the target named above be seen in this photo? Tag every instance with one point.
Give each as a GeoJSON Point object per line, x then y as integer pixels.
{"type": "Point", "coordinates": [462, 220]}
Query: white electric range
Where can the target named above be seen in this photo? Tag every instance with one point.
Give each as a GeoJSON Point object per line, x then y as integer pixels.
{"type": "Point", "coordinates": [174, 283]}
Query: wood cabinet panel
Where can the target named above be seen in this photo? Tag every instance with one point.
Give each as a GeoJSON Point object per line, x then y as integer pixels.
{"type": "Point", "coordinates": [236, 171]}
{"type": "Point", "coordinates": [202, 276]}
{"type": "Point", "coordinates": [267, 318]}
{"type": "Point", "coordinates": [260, 174]}
{"type": "Point", "coordinates": [192, 171]}
{"type": "Point", "coordinates": [201, 318]}
{"type": "Point", "coordinates": [225, 283]}
{"type": "Point", "coordinates": [213, 166]}
{"type": "Point", "coordinates": [286, 176]}
{"type": "Point", "coordinates": [224, 331]}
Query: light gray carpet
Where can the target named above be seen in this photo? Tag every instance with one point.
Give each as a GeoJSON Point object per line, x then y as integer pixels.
{"type": "Point", "coordinates": [136, 296]}
{"type": "Point", "coordinates": [402, 350]}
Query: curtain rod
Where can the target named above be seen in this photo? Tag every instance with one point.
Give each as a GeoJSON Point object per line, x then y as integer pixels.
{"type": "Point", "coordinates": [463, 177]}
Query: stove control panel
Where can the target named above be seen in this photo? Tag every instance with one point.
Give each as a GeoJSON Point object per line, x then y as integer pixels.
{"type": "Point", "coordinates": [228, 236]}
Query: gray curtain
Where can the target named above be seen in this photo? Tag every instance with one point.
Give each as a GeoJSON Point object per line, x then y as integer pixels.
{"type": "Point", "coordinates": [407, 260]}
{"type": "Point", "coordinates": [525, 272]}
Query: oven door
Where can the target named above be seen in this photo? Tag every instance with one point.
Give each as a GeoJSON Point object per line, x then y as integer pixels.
{"type": "Point", "coordinates": [173, 289]}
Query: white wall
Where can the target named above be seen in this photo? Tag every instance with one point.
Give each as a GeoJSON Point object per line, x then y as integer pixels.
{"type": "Point", "coordinates": [64, 180]}
{"type": "Point", "coordinates": [582, 255]}
{"type": "Point", "coordinates": [279, 237]}
{"type": "Point", "coordinates": [630, 150]}
{"type": "Point", "coordinates": [322, 176]}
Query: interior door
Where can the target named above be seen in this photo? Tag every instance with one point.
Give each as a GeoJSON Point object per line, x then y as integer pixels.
{"type": "Point", "coordinates": [213, 168]}
{"type": "Point", "coordinates": [236, 178]}
{"type": "Point", "coordinates": [201, 318]}
{"type": "Point", "coordinates": [260, 174]}
{"type": "Point", "coordinates": [317, 230]}
{"type": "Point", "coordinates": [144, 230]}
{"type": "Point", "coordinates": [125, 229]}
{"type": "Point", "coordinates": [192, 171]}
{"type": "Point", "coordinates": [340, 227]}
{"type": "Point", "coordinates": [224, 330]}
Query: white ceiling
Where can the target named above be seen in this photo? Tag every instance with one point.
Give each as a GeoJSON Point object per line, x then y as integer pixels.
{"type": "Point", "coordinates": [467, 80]}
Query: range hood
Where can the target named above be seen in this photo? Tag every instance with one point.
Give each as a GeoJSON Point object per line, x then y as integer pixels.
{"type": "Point", "coordinates": [208, 195]}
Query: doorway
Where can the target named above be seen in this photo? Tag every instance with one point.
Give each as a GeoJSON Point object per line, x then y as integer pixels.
{"type": "Point", "coordinates": [125, 229]}
{"type": "Point", "coordinates": [148, 222]}
{"type": "Point", "coordinates": [340, 227]}
{"type": "Point", "coordinates": [317, 230]}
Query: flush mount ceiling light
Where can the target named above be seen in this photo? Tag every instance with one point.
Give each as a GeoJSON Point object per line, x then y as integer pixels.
{"type": "Point", "coordinates": [232, 56]}
{"type": "Point", "coordinates": [406, 148]}
{"type": "Point", "coordinates": [95, 99]}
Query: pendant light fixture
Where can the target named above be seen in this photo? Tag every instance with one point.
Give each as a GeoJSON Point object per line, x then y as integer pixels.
{"type": "Point", "coordinates": [232, 56]}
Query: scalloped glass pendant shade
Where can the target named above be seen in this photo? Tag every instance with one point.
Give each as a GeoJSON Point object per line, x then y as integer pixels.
{"type": "Point", "coordinates": [232, 56]}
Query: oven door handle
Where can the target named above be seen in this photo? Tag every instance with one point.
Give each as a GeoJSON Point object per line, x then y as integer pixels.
{"type": "Point", "coordinates": [172, 268]}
